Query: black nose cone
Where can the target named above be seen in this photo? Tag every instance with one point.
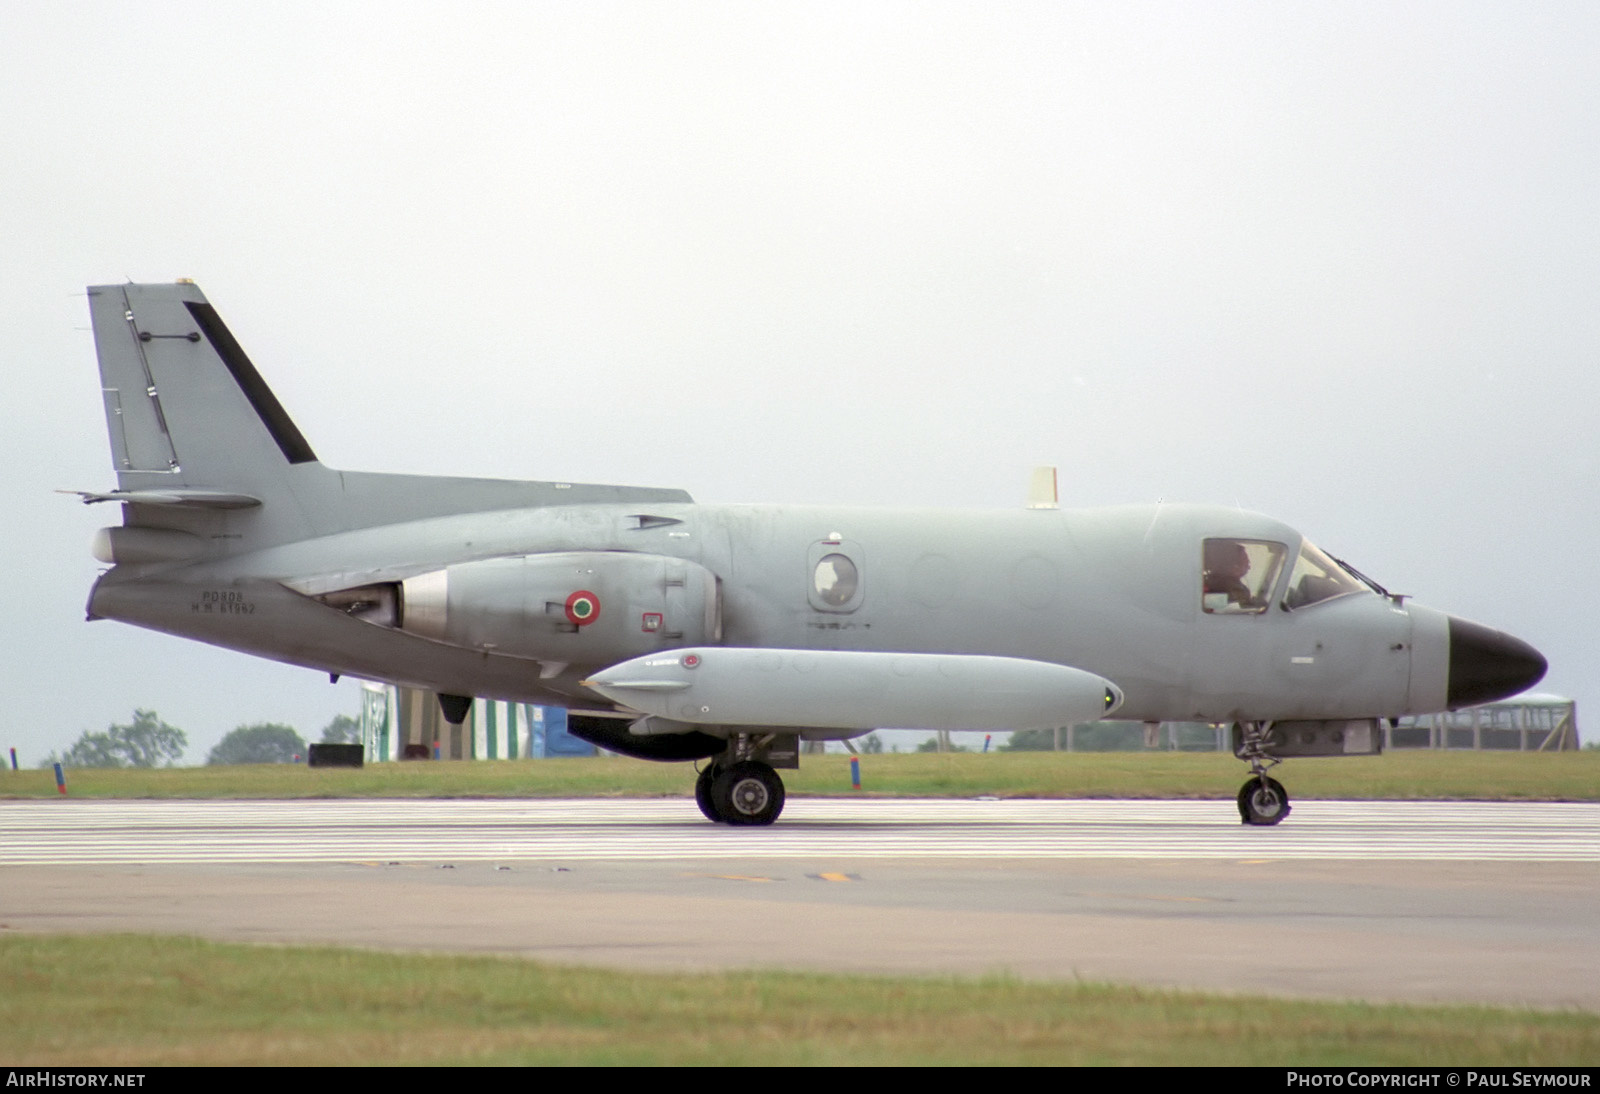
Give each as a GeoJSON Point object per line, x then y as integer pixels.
{"type": "Point", "coordinates": [1487, 664]}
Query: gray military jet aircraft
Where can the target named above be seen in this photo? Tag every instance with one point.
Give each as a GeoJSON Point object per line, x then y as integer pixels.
{"type": "Point", "coordinates": [730, 633]}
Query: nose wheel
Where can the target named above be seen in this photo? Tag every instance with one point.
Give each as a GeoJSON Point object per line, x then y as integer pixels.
{"type": "Point", "coordinates": [1262, 801]}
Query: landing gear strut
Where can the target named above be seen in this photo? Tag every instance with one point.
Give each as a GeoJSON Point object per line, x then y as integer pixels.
{"type": "Point", "coordinates": [1262, 799]}
{"type": "Point", "coordinates": [746, 791]}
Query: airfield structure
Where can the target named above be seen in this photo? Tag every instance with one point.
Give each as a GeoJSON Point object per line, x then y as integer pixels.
{"type": "Point", "coordinates": [1536, 722]}
{"type": "Point", "coordinates": [399, 723]}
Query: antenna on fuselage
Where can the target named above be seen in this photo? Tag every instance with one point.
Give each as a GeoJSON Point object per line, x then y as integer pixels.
{"type": "Point", "coordinates": [1153, 518]}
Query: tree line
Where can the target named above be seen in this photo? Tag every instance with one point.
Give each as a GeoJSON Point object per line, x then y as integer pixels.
{"type": "Point", "coordinates": [147, 741]}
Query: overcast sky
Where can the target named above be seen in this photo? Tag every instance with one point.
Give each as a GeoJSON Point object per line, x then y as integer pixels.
{"type": "Point", "coordinates": [1336, 262]}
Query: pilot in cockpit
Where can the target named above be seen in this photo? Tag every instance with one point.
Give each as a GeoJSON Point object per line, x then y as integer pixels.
{"type": "Point", "coordinates": [1226, 563]}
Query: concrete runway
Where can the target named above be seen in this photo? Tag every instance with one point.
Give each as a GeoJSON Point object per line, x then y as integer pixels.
{"type": "Point", "coordinates": [1406, 901]}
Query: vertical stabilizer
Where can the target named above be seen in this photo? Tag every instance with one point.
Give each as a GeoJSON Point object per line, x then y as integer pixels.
{"type": "Point", "coordinates": [209, 463]}
{"type": "Point", "coordinates": [191, 420]}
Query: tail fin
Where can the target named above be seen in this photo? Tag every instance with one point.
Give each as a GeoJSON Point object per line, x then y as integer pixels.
{"type": "Point", "coordinates": [209, 463]}
{"type": "Point", "coordinates": [200, 444]}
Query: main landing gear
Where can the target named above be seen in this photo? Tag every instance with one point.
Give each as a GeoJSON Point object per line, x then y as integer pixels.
{"type": "Point", "coordinates": [1262, 799]}
{"type": "Point", "coordinates": [744, 792]}
{"type": "Point", "coordinates": [747, 792]}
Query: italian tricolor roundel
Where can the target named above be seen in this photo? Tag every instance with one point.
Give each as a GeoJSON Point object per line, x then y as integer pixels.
{"type": "Point", "coordinates": [583, 608]}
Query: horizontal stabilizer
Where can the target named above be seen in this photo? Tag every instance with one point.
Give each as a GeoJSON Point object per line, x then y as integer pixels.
{"type": "Point", "coordinates": [180, 499]}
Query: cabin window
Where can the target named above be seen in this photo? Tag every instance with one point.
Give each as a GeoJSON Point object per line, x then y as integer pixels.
{"type": "Point", "coordinates": [836, 577]}
{"type": "Point", "coordinates": [1237, 575]}
{"type": "Point", "coordinates": [834, 580]}
{"type": "Point", "coordinates": [1316, 578]}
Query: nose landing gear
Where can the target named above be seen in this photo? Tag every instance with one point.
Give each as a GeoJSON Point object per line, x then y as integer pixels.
{"type": "Point", "coordinates": [1262, 800]}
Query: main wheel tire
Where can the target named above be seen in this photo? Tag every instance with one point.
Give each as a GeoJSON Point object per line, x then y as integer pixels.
{"type": "Point", "coordinates": [702, 793]}
{"type": "Point", "coordinates": [1262, 801]}
{"type": "Point", "coordinates": [749, 792]}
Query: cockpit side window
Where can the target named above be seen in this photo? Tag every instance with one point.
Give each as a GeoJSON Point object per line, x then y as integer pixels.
{"type": "Point", "coordinates": [1316, 578]}
{"type": "Point", "coordinates": [1237, 575]}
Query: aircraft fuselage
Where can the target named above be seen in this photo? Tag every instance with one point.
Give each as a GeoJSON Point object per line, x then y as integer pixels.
{"type": "Point", "coordinates": [1116, 592]}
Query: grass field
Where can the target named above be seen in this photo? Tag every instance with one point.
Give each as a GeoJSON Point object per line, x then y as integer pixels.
{"type": "Point", "coordinates": [1419, 774]}
{"type": "Point", "coordinates": [131, 1000]}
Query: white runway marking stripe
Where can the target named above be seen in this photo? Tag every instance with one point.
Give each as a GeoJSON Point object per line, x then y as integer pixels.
{"type": "Point", "coordinates": [98, 832]}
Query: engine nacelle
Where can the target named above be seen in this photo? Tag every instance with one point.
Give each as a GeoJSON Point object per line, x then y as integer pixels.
{"type": "Point", "coordinates": [574, 606]}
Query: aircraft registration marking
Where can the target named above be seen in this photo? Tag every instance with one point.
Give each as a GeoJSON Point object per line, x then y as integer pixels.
{"type": "Point", "coordinates": [222, 602]}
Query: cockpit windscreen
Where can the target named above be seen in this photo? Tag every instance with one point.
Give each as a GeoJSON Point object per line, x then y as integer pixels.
{"type": "Point", "coordinates": [1316, 578]}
